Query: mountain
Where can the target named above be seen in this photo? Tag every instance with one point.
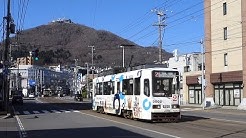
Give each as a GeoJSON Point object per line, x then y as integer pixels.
{"type": "Point", "coordinates": [63, 42]}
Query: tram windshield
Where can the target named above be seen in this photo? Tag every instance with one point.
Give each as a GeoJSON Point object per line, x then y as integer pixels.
{"type": "Point", "coordinates": [163, 86]}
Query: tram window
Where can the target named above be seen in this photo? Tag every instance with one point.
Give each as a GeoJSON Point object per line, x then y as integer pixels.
{"type": "Point", "coordinates": [137, 86]}
{"type": "Point", "coordinates": [118, 87]}
{"type": "Point", "coordinates": [97, 88]}
{"type": "Point", "coordinates": [126, 87]}
{"type": "Point", "coordinates": [146, 87]}
{"type": "Point", "coordinates": [106, 88]}
{"type": "Point", "coordinates": [112, 87]}
{"type": "Point", "coordinates": [130, 87]}
{"type": "Point", "coordinates": [100, 89]}
{"type": "Point", "coordinates": [163, 87]}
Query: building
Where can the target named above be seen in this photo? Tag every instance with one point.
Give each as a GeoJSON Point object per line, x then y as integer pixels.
{"type": "Point", "coordinates": [33, 79]}
{"type": "Point", "coordinates": [24, 61]}
{"type": "Point", "coordinates": [225, 52]}
{"type": "Point", "coordinates": [189, 66]}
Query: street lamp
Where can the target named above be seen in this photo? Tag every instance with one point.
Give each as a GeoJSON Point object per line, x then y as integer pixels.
{"type": "Point", "coordinates": [123, 53]}
{"type": "Point", "coordinates": [92, 60]}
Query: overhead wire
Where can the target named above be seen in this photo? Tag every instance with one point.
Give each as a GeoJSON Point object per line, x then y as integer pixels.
{"type": "Point", "coordinates": [172, 16]}
{"type": "Point", "coordinates": [196, 12]}
{"type": "Point", "coordinates": [140, 21]}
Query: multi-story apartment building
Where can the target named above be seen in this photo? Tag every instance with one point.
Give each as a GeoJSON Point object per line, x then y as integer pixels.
{"type": "Point", "coordinates": [225, 52]}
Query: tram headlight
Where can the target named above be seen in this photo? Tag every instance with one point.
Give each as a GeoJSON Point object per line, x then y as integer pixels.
{"type": "Point", "coordinates": [175, 106]}
{"type": "Point", "coordinates": [156, 106]}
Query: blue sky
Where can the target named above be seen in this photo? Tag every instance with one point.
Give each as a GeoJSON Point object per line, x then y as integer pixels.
{"type": "Point", "coordinates": [130, 19]}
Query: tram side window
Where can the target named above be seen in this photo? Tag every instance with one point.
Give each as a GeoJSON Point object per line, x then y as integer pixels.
{"type": "Point", "coordinates": [106, 88]}
{"type": "Point", "coordinates": [97, 88]}
{"type": "Point", "coordinates": [118, 87]}
{"type": "Point", "coordinates": [126, 87]}
{"type": "Point", "coordinates": [137, 86]}
{"type": "Point", "coordinates": [100, 89]}
{"type": "Point", "coordinates": [146, 87]}
{"type": "Point", "coordinates": [130, 92]}
{"type": "Point", "coordinates": [112, 87]}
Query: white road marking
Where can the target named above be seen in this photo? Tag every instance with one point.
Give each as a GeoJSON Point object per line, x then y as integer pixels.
{"type": "Point", "coordinates": [153, 131]}
{"type": "Point", "coordinates": [22, 129]}
{"type": "Point", "coordinates": [55, 111]}
{"type": "Point", "coordinates": [45, 111]}
{"type": "Point", "coordinates": [26, 112]}
{"type": "Point", "coordinates": [36, 112]}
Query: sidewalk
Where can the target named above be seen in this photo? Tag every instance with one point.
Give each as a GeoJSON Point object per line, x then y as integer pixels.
{"type": "Point", "coordinates": [222, 109]}
{"type": "Point", "coordinates": [8, 126]}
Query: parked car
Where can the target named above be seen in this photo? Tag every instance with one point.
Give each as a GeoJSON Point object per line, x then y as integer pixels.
{"type": "Point", "coordinates": [17, 99]}
{"type": "Point", "coordinates": [31, 95]}
{"type": "Point", "coordinates": [78, 97]}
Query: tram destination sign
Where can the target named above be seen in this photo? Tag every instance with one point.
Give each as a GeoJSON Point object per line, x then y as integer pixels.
{"type": "Point", "coordinates": [164, 74]}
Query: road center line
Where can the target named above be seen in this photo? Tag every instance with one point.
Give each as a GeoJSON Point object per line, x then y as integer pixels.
{"type": "Point", "coordinates": [153, 131]}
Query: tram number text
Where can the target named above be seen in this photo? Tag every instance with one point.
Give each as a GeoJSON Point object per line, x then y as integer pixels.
{"type": "Point", "coordinates": [157, 101]}
{"type": "Point", "coordinates": [166, 106]}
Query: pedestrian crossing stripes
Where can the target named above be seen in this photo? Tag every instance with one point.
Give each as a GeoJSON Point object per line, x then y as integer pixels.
{"type": "Point", "coordinates": [36, 112]}
{"type": "Point", "coordinates": [45, 112]}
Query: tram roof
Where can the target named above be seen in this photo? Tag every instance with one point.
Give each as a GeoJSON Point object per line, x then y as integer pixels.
{"type": "Point", "coordinates": [140, 67]}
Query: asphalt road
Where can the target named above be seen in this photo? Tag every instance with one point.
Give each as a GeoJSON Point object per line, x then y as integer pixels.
{"type": "Point", "coordinates": [54, 117]}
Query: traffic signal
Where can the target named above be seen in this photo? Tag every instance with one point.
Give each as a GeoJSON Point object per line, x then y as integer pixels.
{"type": "Point", "coordinates": [35, 54]}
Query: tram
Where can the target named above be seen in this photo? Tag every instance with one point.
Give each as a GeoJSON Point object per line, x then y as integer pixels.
{"type": "Point", "coordinates": [145, 94]}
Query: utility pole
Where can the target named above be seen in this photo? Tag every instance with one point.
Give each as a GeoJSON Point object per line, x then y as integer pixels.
{"type": "Point", "coordinates": [92, 60]}
{"type": "Point", "coordinates": [161, 25]}
{"type": "Point", "coordinates": [6, 59]}
{"type": "Point", "coordinates": [75, 75]}
{"type": "Point", "coordinates": [203, 80]}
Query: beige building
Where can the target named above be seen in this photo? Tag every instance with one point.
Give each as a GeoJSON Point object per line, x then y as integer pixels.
{"type": "Point", "coordinates": [225, 52]}
{"type": "Point", "coordinates": [24, 61]}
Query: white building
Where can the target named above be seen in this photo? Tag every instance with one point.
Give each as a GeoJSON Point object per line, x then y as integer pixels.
{"type": "Point", "coordinates": [188, 65]}
{"type": "Point", "coordinates": [34, 78]}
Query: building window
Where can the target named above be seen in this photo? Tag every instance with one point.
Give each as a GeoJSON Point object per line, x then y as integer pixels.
{"type": "Point", "coordinates": [200, 67]}
{"type": "Point", "coordinates": [186, 68]}
{"type": "Point", "coordinates": [225, 33]}
{"type": "Point", "coordinates": [225, 59]}
{"type": "Point", "coordinates": [224, 8]}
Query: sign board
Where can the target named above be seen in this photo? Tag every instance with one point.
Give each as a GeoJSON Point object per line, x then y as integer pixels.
{"type": "Point", "coordinates": [32, 82]}
{"type": "Point", "coordinates": [236, 93]}
{"type": "Point", "coordinates": [191, 93]}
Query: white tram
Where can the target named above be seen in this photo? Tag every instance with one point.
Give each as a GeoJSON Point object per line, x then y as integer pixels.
{"type": "Point", "coordinates": [148, 94]}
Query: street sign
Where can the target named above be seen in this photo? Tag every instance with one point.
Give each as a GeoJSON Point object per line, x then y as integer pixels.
{"type": "Point", "coordinates": [32, 82]}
